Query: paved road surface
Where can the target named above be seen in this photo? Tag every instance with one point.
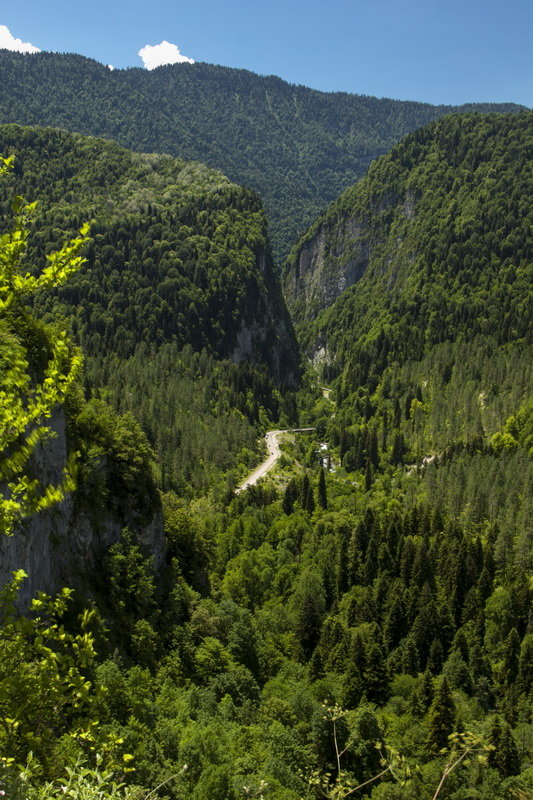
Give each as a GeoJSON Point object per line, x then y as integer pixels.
{"type": "Point", "coordinates": [274, 452]}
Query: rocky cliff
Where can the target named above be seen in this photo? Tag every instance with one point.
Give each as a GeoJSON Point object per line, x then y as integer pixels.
{"type": "Point", "coordinates": [64, 545]}
{"type": "Point", "coordinates": [325, 264]}
{"type": "Point", "coordinates": [432, 224]}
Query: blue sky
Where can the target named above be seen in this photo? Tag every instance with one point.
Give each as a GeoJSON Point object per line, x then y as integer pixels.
{"type": "Point", "coordinates": [453, 51]}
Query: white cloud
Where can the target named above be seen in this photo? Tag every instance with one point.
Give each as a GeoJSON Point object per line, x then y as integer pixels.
{"type": "Point", "coordinates": [8, 42]}
{"type": "Point", "coordinates": [110, 67]}
{"type": "Point", "coordinates": [165, 53]}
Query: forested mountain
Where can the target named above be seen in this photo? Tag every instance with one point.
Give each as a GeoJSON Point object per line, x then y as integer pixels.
{"type": "Point", "coordinates": [298, 147]}
{"type": "Point", "coordinates": [430, 349]}
{"type": "Point", "coordinates": [178, 309]}
{"type": "Point", "coordinates": [441, 222]}
{"type": "Point", "coordinates": [360, 624]}
{"type": "Point", "coordinates": [178, 253]}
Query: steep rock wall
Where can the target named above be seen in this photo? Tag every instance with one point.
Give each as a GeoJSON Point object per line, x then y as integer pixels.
{"type": "Point", "coordinates": [329, 262]}
{"type": "Point", "coordinates": [63, 545]}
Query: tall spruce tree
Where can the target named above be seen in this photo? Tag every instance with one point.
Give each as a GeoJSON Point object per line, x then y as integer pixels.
{"type": "Point", "coordinates": [441, 719]}
{"type": "Point", "coordinates": [504, 755]}
{"type": "Point", "coordinates": [322, 491]}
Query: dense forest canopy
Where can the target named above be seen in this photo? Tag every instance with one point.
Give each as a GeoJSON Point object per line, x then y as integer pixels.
{"type": "Point", "coordinates": [178, 253]}
{"type": "Point", "coordinates": [360, 623]}
{"type": "Point", "coordinates": [299, 148]}
{"type": "Point", "coordinates": [443, 219]}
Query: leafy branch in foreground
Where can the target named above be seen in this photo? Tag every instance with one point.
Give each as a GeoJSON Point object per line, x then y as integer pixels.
{"type": "Point", "coordinates": [341, 786]}
{"type": "Point", "coordinates": [80, 782]}
{"type": "Point", "coordinates": [45, 691]}
{"type": "Point", "coordinates": [462, 747]}
{"type": "Point", "coordinates": [26, 402]}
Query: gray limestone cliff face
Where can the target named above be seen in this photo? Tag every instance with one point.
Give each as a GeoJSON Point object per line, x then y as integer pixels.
{"type": "Point", "coordinates": [326, 264]}
{"type": "Point", "coordinates": [342, 247]}
{"type": "Point", "coordinates": [62, 545]}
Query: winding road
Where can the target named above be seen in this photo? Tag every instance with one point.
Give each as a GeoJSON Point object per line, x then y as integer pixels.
{"type": "Point", "coordinates": [274, 452]}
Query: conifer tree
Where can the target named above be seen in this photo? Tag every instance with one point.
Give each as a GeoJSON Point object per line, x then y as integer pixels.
{"type": "Point", "coordinates": [376, 676]}
{"type": "Point", "coordinates": [308, 624]}
{"type": "Point", "coordinates": [525, 666]}
{"type": "Point", "coordinates": [371, 562]}
{"type": "Point", "coordinates": [343, 562]}
{"type": "Point", "coordinates": [289, 496]}
{"type": "Point", "coordinates": [316, 666]}
{"type": "Point", "coordinates": [504, 755]}
{"type": "Point", "coordinates": [426, 689]}
{"type": "Point", "coordinates": [410, 656]}
{"type": "Point", "coordinates": [441, 719]}
{"type": "Point", "coordinates": [422, 566]}
{"type": "Point", "coordinates": [369, 475]}
{"type": "Point", "coordinates": [511, 658]}
{"type": "Point", "coordinates": [372, 447]}
{"type": "Point", "coordinates": [308, 498]}
{"type": "Point", "coordinates": [423, 695]}
{"type": "Point", "coordinates": [407, 558]}
{"type": "Point", "coordinates": [322, 492]}
{"type": "Point", "coordinates": [435, 657]}
{"type": "Point", "coordinates": [398, 449]}
{"type": "Point", "coordinates": [353, 684]}
{"type": "Point", "coordinates": [395, 627]}
{"type": "Point", "coordinates": [457, 672]}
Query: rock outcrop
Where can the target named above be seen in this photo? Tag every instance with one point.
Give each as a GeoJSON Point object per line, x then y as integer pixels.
{"type": "Point", "coordinates": [325, 265]}
{"type": "Point", "coordinates": [64, 545]}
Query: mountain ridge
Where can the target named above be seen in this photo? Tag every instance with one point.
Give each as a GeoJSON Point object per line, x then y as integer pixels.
{"type": "Point", "coordinates": [298, 147]}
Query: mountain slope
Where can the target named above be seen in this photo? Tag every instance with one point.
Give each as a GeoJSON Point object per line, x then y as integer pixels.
{"type": "Point", "coordinates": [298, 147]}
{"type": "Point", "coordinates": [441, 226]}
{"type": "Point", "coordinates": [179, 253]}
{"type": "Point", "coordinates": [430, 347]}
{"type": "Point", "coordinates": [364, 614]}
{"type": "Point", "coordinates": [178, 309]}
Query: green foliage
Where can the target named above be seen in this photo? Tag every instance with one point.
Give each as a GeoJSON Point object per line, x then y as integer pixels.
{"type": "Point", "coordinates": [322, 491]}
{"type": "Point", "coordinates": [455, 195]}
{"type": "Point", "coordinates": [430, 350]}
{"type": "Point", "coordinates": [116, 462]}
{"type": "Point", "coordinates": [231, 684]}
{"type": "Point", "coordinates": [373, 637]}
{"type": "Point", "coordinates": [441, 721]}
{"type": "Point", "coordinates": [504, 754]}
{"type": "Point", "coordinates": [46, 691]}
{"type": "Point", "coordinates": [199, 413]}
{"type": "Point", "coordinates": [29, 395]}
{"type": "Point", "coordinates": [517, 431]}
{"type": "Point", "coordinates": [177, 288]}
{"type": "Point", "coordinates": [80, 782]}
{"type": "Point", "coordinates": [129, 576]}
